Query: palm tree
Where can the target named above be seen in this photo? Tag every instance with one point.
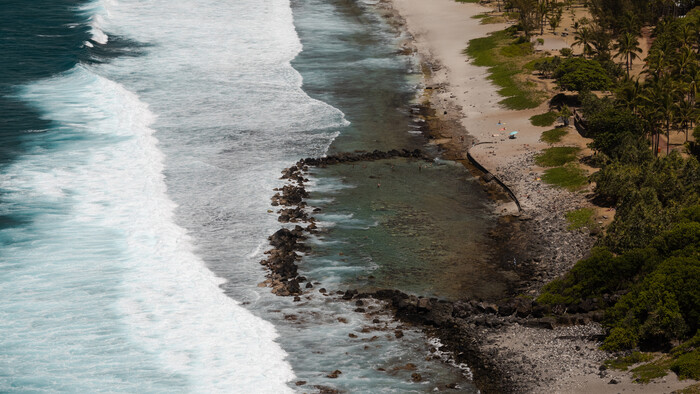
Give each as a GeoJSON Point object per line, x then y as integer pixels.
{"type": "Point", "coordinates": [659, 101]}
{"type": "Point", "coordinates": [667, 109]}
{"type": "Point", "coordinates": [584, 37]}
{"type": "Point", "coordinates": [630, 23]}
{"type": "Point", "coordinates": [600, 39]}
{"type": "Point", "coordinates": [684, 60]}
{"type": "Point", "coordinates": [686, 114]}
{"type": "Point", "coordinates": [651, 119]}
{"type": "Point", "coordinates": [628, 95]}
{"type": "Point", "coordinates": [687, 35]}
{"type": "Point", "coordinates": [657, 63]}
{"type": "Point", "coordinates": [627, 47]}
{"type": "Point", "coordinates": [693, 80]}
{"type": "Point", "coordinates": [542, 8]}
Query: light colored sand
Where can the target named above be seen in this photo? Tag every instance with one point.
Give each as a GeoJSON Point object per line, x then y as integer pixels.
{"type": "Point", "coordinates": [442, 29]}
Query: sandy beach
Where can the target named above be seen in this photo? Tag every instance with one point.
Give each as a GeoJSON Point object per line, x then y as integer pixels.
{"type": "Point", "coordinates": [564, 359]}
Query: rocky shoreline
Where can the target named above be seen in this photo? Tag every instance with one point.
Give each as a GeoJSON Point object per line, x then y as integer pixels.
{"type": "Point", "coordinates": [511, 345]}
{"type": "Point", "coordinates": [469, 329]}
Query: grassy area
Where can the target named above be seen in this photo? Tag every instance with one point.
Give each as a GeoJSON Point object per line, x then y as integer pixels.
{"type": "Point", "coordinates": [530, 66]}
{"type": "Point", "coordinates": [580, 218]}
{"type": "Point", "coordinates": [554, 135]}
{"type": "Point", "coordinates": [516, 49]}
{"type": "Point", "coordinates": [685, 363]}
{"type": "Point", "coordinates": [493, 19]}
{"type": "Point", "coordinates": [694, 389]}
{"type": "Point", "coordinates": [653, 370]}
{"type": "Point", "coordinates": [557, 156]}
{"type": "Point", "coordinates": [467, 1]}
{"type": "Point", "coordinates": [545, 119]}
{"type": "Point", "coordinates": [568, 176]}
{"type": "Point", "coordinates": [687, 366]}
{"type": "Point", "coordinates": [505, 57]}
{"type": "Point", "coordinates": [622, 363]}
{"type": "Point", "coordinates": [480, 16]}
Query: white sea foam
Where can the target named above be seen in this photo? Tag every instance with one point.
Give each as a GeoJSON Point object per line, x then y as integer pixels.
{"type": "Point", "coordinates": [108, 173]}
{"type": "Point", "coordinates": [96, 12]}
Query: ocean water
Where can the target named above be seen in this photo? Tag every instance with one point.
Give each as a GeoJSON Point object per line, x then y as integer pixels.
{"type": "Point", "coordinates": [141, 142]}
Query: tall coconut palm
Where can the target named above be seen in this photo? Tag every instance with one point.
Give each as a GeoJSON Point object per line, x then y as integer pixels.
{"type": "Point", "coordinates": [687, 35]}
{"type": "Point", "coordinates": [686, 114]}
{"type": "Point", "coordinates": [627, 47]}
{"type": "Point", "coordinates": [584, 38]}
{"type": "Point", "coordinates": [667, 109]}
{"type": "Point", "coordinates": [657, 63]}
{"type": "Point", "coordinates": [659, 100]}
{"type": "Point", "coordinates": [628, 95]}
{"type": "Point", "coordinates": [684, 60]}
{"type": "Point", "coordinates": [693, 81]}
{"type": "Point", "coordinates": [651, 119]}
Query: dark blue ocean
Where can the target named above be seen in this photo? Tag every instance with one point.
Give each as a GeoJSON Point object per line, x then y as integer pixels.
{"type": "Point", "coordinates": [140, 142]}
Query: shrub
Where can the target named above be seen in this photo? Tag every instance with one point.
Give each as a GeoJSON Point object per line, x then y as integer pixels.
{"type": "Point", "coordinates": [582, 75]}
{"type": "Point", "coordinates": [620, 338]}
{"type": "Point", "coordinates": [687, 366]}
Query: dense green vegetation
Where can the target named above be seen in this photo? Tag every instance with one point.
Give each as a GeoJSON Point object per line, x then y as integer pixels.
{"type": "Point", "coordinates": [582, 75]}
{"type": "Point", "coordinates": [644, 271]}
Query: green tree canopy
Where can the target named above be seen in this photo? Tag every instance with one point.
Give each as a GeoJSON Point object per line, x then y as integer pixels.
{"type": "Point", "coordinates": [582, 75]}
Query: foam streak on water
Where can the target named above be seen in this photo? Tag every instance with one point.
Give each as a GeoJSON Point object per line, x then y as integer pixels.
{"type": "Point", "coordinates": [101, 290]}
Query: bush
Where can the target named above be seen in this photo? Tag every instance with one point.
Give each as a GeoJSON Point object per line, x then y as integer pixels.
{"type": "Point", "coordinates": [665, 306]}
{"type": "Point", "coordinates": [687, 366]}
{"type": "Point", "coordinates": [616, 132]}
{"type": "Point", "coordinates": [582, 75]}
{"type": "Point", "coordinates": [566, 52]}
{"type": "Point", "coordinates": [620, 338]}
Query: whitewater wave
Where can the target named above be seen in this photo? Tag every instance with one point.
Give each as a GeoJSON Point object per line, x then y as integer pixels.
{"type": "Point", "coordinates": [98, 178]}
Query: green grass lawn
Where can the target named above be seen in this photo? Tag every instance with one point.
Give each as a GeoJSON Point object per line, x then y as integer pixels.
{"type": "Point", "coordinates": [557, 156]}
{"type": "Point", "coordinates": [569, 176]}
{"type": "Point", "coordinates": [554, 135]}
{"type": "Point", "coordinates": [580, 218]}
{"type": "Point", "coordinates": [545, 119]}
{"type": "Point", "coordinates": [505, 56]}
